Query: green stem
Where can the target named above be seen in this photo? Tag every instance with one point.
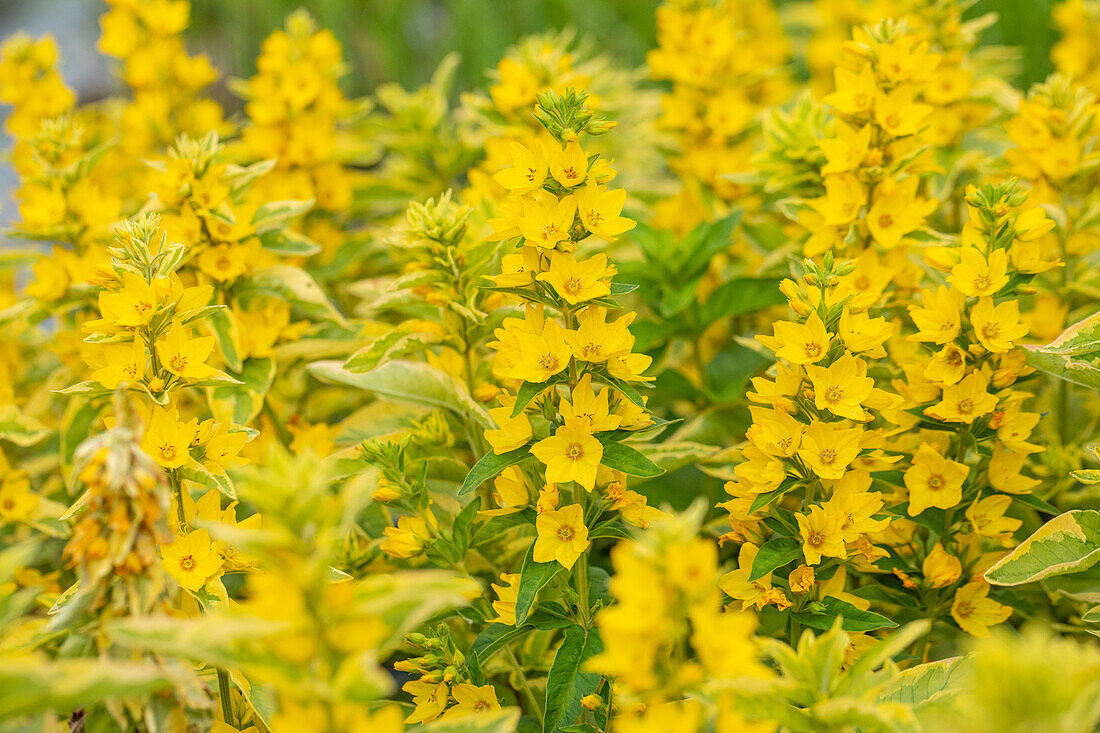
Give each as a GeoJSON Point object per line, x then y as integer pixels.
{"type": "Point", "coordinates": [224, 692]}
{"type": "Point", "coordinates": [524, 685]}
{"type": "Point", "coordinates": [177, 491]}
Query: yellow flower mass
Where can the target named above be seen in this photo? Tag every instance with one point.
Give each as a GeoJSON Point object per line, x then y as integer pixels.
{"type": "Point", "coordinates": [741, 375]}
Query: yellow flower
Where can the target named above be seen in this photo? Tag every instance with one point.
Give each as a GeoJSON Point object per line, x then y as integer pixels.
{"type": "Point", "coordinates": [512, 432]}
{"type": "Point", "coordinates": [799, 343]}
{"type": "Point", "coordinates": [518, 270]}
{"type": "Point", "coordinates": [121, 364]}
{"type": "Point", "coordinates": [222, 448]}
{"type": "Point", "coordinates": [507, 594]}
{"type": "Point", "coordinates": [569, 167]}
{"type": "Point", "coordinates": [897, 211]}
{"type": "Point", "coordinates": [933, 480]}
{"type": "Point", "coordinates": [948, 365]}
{"type": "Point", "coordinates": [975, 612]}
{"type": "Point", "coordinates": [941, 569]}
{"type": "Point", "coordinates": [1006, 472]}
{"type": "Point", "coordinates": [856, 506]}
{"type": "Point", "coordinates": [167, 439]}
{"type": "Point", "coordinates": [802, 579]}
{"type": "Point", "coordinates": [595, 340]}
{"type": "Point", "coordinates": [855, 92]}
{"type": "Point", "coordinates": [575, 281]}
{"type": "Point", "coordinates": [528, 169]}
{"type": "Point", "coordinates": [847, 151]}
{"type": "Point", "coordinates": [898, 114]}
{"type": "Point", "coordinates": [510, 493]}
{"type": "Point", "coordinates": [132, 306]}
{"type": "Point", "coordinates": [828, 449]}
{"type": "Point", "coordinates": [997, 327]}
{"type": "Point", "coordinates": [975, 276]}
{"type": "Point", "coordinates": [841, 387]}
{"type": "Point", "coordinates": [547, 222]}
{"type": "Point", "coordinates": [472, 699]}
{"type": "Point", "coordinates": [570, 454]}
{"type": "Point", "coordinates": [599, 210]}
{"type": "Point", "coordinates": [540, 356]}
{"type": "Point", "coordinates": [407, 539]}
{"type": "Point", "coordinates": [821, 536]}
{"type": "Point", "coordinates": [224, 262]}
{"type": "Point", "coordinates": [590, 409]}
{"type": "Point", "coordinates": [17, 502]}
{"type": "Point", "coordinates": [430, 699]}
{"type": "Point", "coordinates": [987, 516]}
{"type": "Point", "coordinates": [184, 356]}
{"type": "Point", "coordinates": [844, 196]}
{"type": "Point", "coordinates": [191, 560]}
{"type": "Point", "coordinates": [775, 432]}
{"type": "Point", "coordinates": [938, 317]}
{"type": "Point", "coordinates": [562, 535]}
{"type": "Point", "coordinates": [736, 583]}
{"type": "Point", "coordinates": [964, 402]}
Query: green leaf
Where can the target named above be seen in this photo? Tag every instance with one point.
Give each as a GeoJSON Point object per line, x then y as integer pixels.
{"type": "Point", "coordinates": [621, 457]}
{"type": "Point", "coordinates": [295, 285]}
{"type": "Point", "coordinates": [497, 721]}
{"type": "Point", "coordinates": [275, 213]}
{"type": "Point", "coordinates": [490, 465]}
{"type": "Point", "coordinates": [495, 637]}
{"type": "Point", "coordinates": [1087, 476]}
{"type": "Point", "coordinates": [612, 528]}
{"type": "Point", "coordinates": [410, 382]}
{"type": "Point", "coordinates": [922, 683]}
{"type": "Point", "coordinates": [85, 389]}
{"type": "Point", "coordinates": [33, 685]}
{"type": "Point", "coordinates": [460, 531]}
{"type": "Point", "coordinates": [17, 428]}
{"type": "Point", "coordinates": [822, 614]}
{"type": "Point", "coordinates": [402, 340]}
{"type": "Point", "coordinates": [199, 474]}
{"type": "Point", "coordinates": [739, 296]}
{"type": "Point", "coordinates": [624, 388]}
{"type": "Point", "coordinates": [199, 313]}
{"type": "Point", "coordinates": [1066, 544]}
{"type": "Point", "coordinates": [775, 553]}
{"type": "Point", "coordinates": [533, 577]}
{"type": "Point", "coordinates": [224, 328]}
{"type": "Point", "coordinates": [1064, 367]}
{"type": "Point", "coordinates": [289, 243]}
{"type": "Point", "coordinates": [241, 404]}
{"type": "Point", "coordinates": [567, 681]}
{"type": "Point", "coordinates": [1036, 503]}
{"type": "Point", "coordinates": [530, 390]}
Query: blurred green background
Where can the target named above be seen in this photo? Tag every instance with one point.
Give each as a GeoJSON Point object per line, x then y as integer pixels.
{"type": "Point", "coordinates": [404, 40]}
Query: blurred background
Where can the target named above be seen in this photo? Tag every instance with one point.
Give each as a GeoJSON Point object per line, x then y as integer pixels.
{"type": "Point", "coordinates": [404, 40]}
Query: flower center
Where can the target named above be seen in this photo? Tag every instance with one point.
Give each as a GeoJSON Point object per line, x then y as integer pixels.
{"type": "Point", "coordinates": [886, 221]}
{"type": "Point", "coordinates": [813, 349]}
{"type": "Point", "coordinates": [574, 451]}
{"type": "Point", "coordinates": [816, 539]}
{"type": "Point", "coordinates": [179, 362]}
{"type": "Point", "coordinates": [187, 563]}
{"type": "Point", "coordinates": [834, 394]}
{"type": "Point", "coordinates": [828, 456]}
{"type": "Point", "coordinates": [565, 534]}
{"type": "Point", "coordinates": [548, 362]}
{"type": "Point", "coordinates": [168, 451]}
{"type": "Point", "coordinates": [981, 282]}
{"type": "Point", "coordinates": [572, 285]}
{"type": "Point", "coordinates": [966, 406]}
{"type": "Point", "coordinates": [935, 482]}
